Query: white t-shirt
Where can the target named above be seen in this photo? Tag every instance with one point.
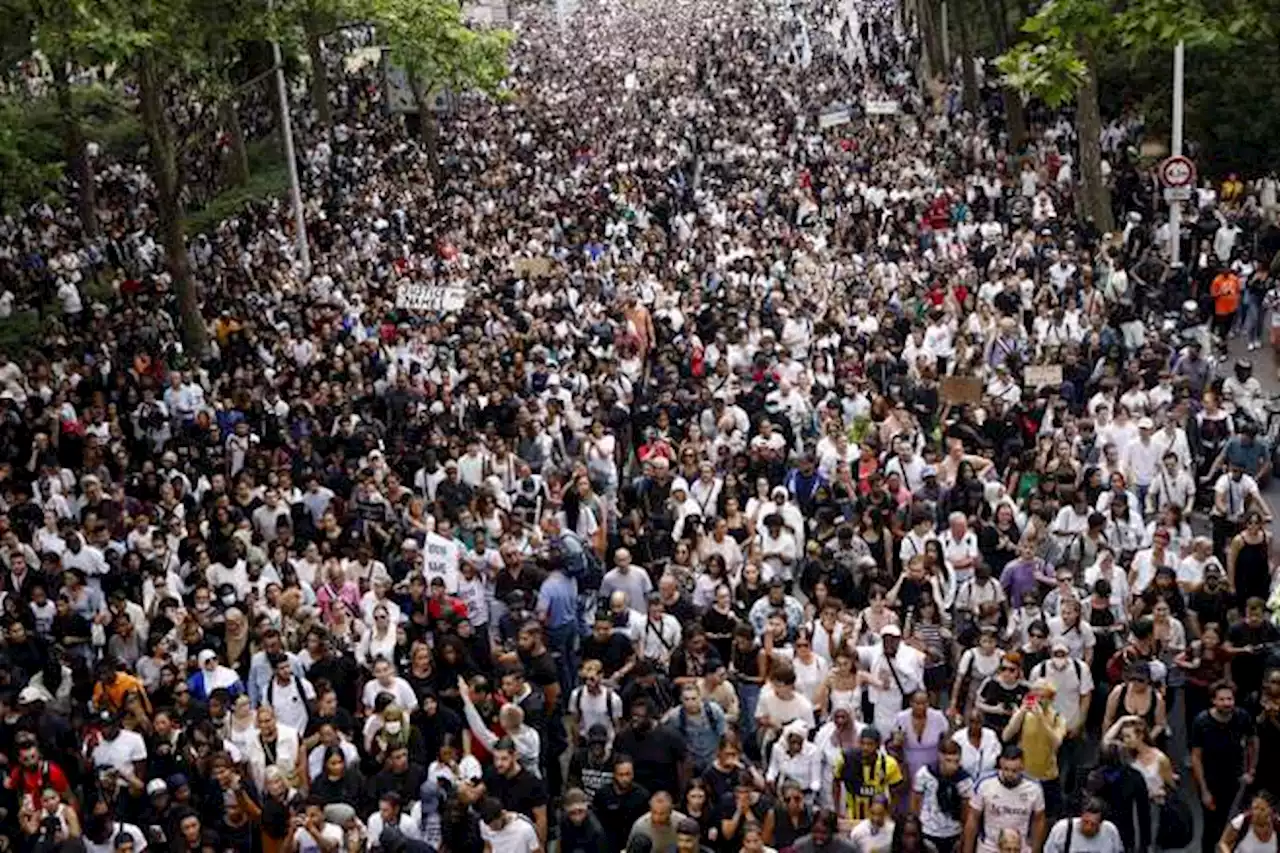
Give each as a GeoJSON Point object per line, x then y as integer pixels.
{"type": "Point", "coordinates": [399, 688]}
{"type": "Point", "coordinates": [120, 753]}
{"type": "Point", "coordinates": [979, 760]}
{"type": "Point", "coordinates": [1006, 808]}
{"type": "Point", "coordinates": [289, 701]}
{"type": "Point", "coordinates": [307, 844]}
{"type": "Point", "coordinates": [867, 839]}
{"type": "Point", "coordinates": [1105, 840]}
{"type": "Point", "coordinates": [1236, 495]}
{"type": "Point", "coordinates": [603, 708]}
{"type": "Point", "coordinates": [1079, 637]}
{"type": "Point", "coordinates": [518, 836]}
{"type": "Point", "coordinates": [938, 824]}
{"type": "Point", "coordinates": [139, 840]}
{"type": "Point", "coordinates": [1071, 682]}
{"type": "Point", "coordinates": [1250, 842]}
{"type": "Point", "coordinates": [782, 712]}
{"type": "Point", "coordinates": [69, 295]}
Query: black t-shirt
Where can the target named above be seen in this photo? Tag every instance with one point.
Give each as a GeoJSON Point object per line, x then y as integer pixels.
{"type": "Point", "coordinates": [521, 793]}
{"type": "Point", "coordinates": [1222, 744]}
{"type": "Point", "coordinates": [656, 754]}
{"type": "Point", "coordinates": [1210, 606]}
{"type": "Point", "coordinates": [1031, 659]}
{"type": "Point", "coordinates": [1268, 753]}
{"type": "Point", "coordinates": [1246, 669]}
{"type": "Point", "coordinates": [540, 670]}
{"type": "Point", "coordinates": [995, 693]}
{"type": "Point", "coordinates": [613, 653]}
{"type": "Point", "coordinates": [618, 810]}
{"type": "Point", "coordinates": [728, 806]}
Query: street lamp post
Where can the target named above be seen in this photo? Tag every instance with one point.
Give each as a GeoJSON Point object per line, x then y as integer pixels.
{"type": "Point", "coordinates": [1175, 150]}
{"type": "Point", "coordinates": [286, 134]}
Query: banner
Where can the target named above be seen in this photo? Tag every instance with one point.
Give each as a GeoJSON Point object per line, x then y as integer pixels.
{"type": "Point", "coordinates": [429, 298]}
{"type": "Point", "coordinates": [1041, 375]}
{"type": "Point", "coordinates": [961, 390]}
{"type": "Point", "coordinates": [533, 267]}
{"type": "Point", "coordinates": [882, 107]}
{"type": "Point", "coordinates": [441, 560]}
{"type": "Point", "coordinates": [834, 118]}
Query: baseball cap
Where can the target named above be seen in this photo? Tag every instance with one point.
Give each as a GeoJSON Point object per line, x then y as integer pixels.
{"type": "Point", "coordinates": [157, 786]}
{"type": "Point", "coordinates": [890, 631]}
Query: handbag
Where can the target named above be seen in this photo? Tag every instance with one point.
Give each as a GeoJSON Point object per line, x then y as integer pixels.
{"type": "Point", "coordinates": [1177, 826]}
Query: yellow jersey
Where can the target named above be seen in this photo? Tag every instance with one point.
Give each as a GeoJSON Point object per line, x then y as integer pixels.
{"type": "Point", "coordinates": [865, 782]}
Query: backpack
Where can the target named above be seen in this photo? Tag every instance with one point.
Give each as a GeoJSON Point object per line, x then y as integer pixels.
{"type": "Point", "coordinates": [576, 710]}
{"type": "Point", "coordinates": [717, 723]}
{"type": "Point", "coordinates": [578, 561]}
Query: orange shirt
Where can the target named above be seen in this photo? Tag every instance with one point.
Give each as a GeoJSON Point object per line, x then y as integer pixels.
{"type": "Point", "coordinates": [112, 697]}
{"type": "Point", "coordinates": [1226, 293]}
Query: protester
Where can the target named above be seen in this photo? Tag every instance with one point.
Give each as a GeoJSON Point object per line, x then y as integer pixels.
{"type": "Point", "coordinates": [728, 390]}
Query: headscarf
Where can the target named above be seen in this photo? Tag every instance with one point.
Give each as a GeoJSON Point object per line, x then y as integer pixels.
{"type": "Point", "coordinates": [219, 677]}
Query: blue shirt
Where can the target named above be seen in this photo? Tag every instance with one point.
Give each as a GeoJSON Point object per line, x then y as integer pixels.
{"type": "Point", "coordinates": [558, 600]}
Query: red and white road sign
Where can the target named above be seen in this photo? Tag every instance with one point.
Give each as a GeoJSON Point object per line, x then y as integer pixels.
{"type": "Point", "coordinates": [1177, 172]}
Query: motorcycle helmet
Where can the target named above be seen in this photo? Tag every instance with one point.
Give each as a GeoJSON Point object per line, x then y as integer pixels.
{"type": "Point", "coordinates": [1244, 369]}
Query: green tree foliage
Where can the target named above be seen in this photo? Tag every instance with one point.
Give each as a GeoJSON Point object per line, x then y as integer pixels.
{"type": "Point", "coordinates": [431, 41]}
{"type": "Point", "coordinates": [1066, 41]}
{"type": "Point", "coordinates": [26, 172]}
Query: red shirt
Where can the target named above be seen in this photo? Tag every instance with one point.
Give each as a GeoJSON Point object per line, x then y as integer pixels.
{"type": "Point", "coordinates": [436, 608]}
{"type": "Point", "coordinates": [46, 775]}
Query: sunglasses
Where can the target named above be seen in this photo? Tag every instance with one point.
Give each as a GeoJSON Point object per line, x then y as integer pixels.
{"type": "Point", "coordinates": [1008, 669]}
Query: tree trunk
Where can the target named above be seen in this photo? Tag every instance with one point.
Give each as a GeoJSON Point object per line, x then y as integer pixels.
{"type": "Point", "coordinates": [168, 204]}
{"type": "Point", "coordinates": [238, 166]}
{"type": "Point", "coordinates": [931, 33]}
{"type": "Point", "coordinates": [968, 69]}
{"type": "Point", "coordinates": [319, 75]}
{"type": "Point", "coordinates": [1095, 201]}
{"type": "Point", "coordinates": [428, 129]}
{"type": "Point", "coordinates": [1014, 113]}
{"type": "Point", "coordinates": [77, 153]}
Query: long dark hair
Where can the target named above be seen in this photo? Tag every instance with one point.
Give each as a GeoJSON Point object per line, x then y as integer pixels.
{"type": "Point", "coordinates": [572, 506]}
{"type": "Point", "coordinates": [899, 830]}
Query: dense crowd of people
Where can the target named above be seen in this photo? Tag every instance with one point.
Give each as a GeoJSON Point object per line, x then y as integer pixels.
{"type": "Point", "coordinates": [792, 479]}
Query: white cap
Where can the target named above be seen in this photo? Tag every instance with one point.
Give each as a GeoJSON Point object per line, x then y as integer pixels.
{"type": "Point", "coordinates": [156, 786]}
{"type": "Point", "coordinates": [890, 631]}
{"type": "Point", "coordinates": [206, 656]}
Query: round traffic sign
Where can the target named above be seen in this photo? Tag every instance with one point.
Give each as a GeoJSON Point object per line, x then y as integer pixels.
{"type": "Point", "coordinates": [1177, 172]}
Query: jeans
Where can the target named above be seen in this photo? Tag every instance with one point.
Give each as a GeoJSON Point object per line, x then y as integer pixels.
{"type": "Point", "coordinates": [1253, 315]}
{"type": "Point", "coordinates": [561, 642]}
{"type": "Point", "coordinates": [748, 696]}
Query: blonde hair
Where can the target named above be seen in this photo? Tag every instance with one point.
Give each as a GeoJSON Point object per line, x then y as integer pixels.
{"type": "Point", "coordinates": [511, 717]}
